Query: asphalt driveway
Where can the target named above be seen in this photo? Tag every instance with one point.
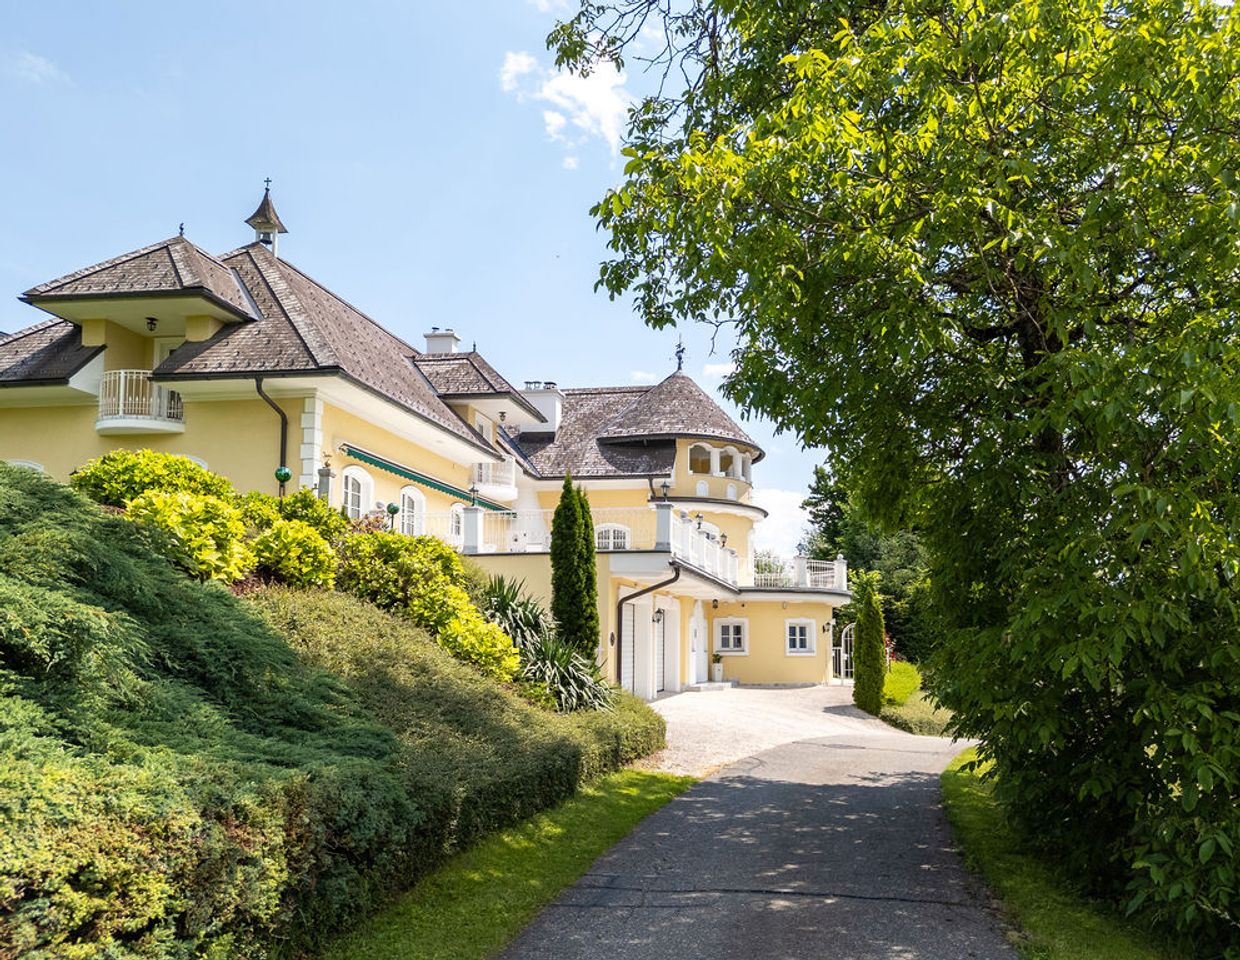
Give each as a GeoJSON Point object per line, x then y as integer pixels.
{"type": "Point", "coordinates": [832, 846]}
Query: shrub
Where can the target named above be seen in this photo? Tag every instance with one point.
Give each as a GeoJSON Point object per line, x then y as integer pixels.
{"type": "Point", "coordinates": [202, 533]}
{"type": "Point", "coordinates": [260, 511]}
{"type": "Point", "coordinates": [504, 602]}
{"type": "Point", "coordinates": [575, 682]}
{"type": "Point", "coordinates": [869, 649]}
{"type": "Point", "coordinates": [901, 682]}
{"type": "Point", "coordinates": [121, 475]}
{"type": "Point", "coordinates": [305, 505]}
{"type": "Point", "coordinates": [294, 553]}
{"type": "Point", "coordinates": [470, 638]}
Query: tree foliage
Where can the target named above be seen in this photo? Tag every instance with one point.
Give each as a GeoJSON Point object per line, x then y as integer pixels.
{"type": "Point", "coordinates": [589, 576]}
{"type": "Point", "coordinates": [988, 254]}
{"type": "Point", "coordinates": [572, 572]}
{"type": "Point", "coordinates": [869, 644]}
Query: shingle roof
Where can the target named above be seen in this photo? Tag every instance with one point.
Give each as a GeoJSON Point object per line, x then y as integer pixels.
{"type": "Point", "coordinates": [265, 218]}
{"type": "Point", "coordinates": [47, 353]}
{"type": "Point", "coordinates": [628, 431]}
{"type": "Point", "coordinates": [460, 375]}
{"type": "Point", "coordinates": [173, 266]}
{"type": "Point", "coordinates": [306, 327]}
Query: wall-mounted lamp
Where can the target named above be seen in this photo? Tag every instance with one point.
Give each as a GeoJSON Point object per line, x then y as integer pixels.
{"type": "Point", "coordinates": [658, 616]}
{"type": "Point", "coordinates": [665, 486]}
{"type": "Point", "coordinates": [714, 604]}
{"type": "Point", "coordinates": [699, 518]}
{"type": "Point", "coordinates": [723, 539]}
{"type": "Point", "coordinates": [152, 323]}
{"type": "Point", "coordinates": [473, 496]}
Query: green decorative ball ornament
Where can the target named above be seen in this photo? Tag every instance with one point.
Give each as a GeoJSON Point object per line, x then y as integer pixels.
{"type": "Point", "coordinates": [393, 509]}
{"type": "Point", "coordinates": [284, 474]}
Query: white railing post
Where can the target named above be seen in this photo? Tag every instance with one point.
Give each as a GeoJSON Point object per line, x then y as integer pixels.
{"type": "Point", "coordinates": [840, 580]}
{"type": "Point", "coordinates": [472, 529]}
{"type": "Point", "coordinates": [800, 572]}
{"type": "Point", "coordinates": [663, 525]}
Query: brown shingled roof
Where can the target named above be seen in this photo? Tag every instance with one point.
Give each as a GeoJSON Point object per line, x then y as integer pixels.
{"type": "Point", "coordinates": [47, 353]}
{"type": "Point", "coordinates": [305, 327]}
{"type": "Point", "coordinates": [462, 375]}
{"type": "Point", "coordinates": [677, 407]}
{"type": "Point", "coordinates": [173, 266]}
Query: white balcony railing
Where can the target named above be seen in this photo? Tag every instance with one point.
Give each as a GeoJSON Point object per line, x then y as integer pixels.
{"type": "Point", "coordinates": [502, 474]}
{"type": "Point", "coordinates": [800, 573]}
{"type": "Point", "coordinates": [129, 395]}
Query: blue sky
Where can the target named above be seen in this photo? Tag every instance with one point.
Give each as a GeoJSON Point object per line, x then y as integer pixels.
{"type": "Point", "coordinates": [430, 165]}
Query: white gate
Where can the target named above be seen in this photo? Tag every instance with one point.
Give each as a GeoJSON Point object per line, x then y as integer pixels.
{"type": "Point", "coordinates": [660, 653]}
{"type": "Point", "coordinates": [842, 654]}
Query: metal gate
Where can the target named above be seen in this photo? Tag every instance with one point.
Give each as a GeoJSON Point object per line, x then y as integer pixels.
{"type": "Point", "coordinates": [842, 654]}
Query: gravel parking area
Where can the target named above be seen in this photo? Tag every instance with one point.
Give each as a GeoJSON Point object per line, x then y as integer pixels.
{"type": "Point", "coordinates": [711, 729]}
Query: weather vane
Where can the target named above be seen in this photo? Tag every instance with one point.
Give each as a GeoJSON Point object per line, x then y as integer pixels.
{"type": "Point", "coordinates": [181, 230]}
{"type": "Point", "coordinates": [680, 353]}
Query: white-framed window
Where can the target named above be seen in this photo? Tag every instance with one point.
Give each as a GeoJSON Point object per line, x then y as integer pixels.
{"type": "Point", "coordinates": [359, 491]}
{"type": "Point", "coordinates": [731, 491]}
{"type": "Point", "coordinates": [731, 635]}
{"type": "Point", "coordinates": [799, 637]}
{"type": "Point", "coordinates": [611, 536]}
{"type": "Point", "coordinates": [28, 464]}
{"type": "Point", "coordinates": [412, 511]}
{"type": "Point", "coordinates": [699, 458]}
{"type": "Point", "coordinates": [702, 489]}
{"type": "Point", "coordinates": [456, 524]}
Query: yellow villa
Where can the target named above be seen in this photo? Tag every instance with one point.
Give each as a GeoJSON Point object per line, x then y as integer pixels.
{"type": "Point", "coordinates": [246, 365]}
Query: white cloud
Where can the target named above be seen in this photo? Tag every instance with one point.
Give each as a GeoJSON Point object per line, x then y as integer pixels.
{"type": "Point", "coordinates": [579, 108]}
{"type": "Point", "coordinates": [516, 65]}
{"type": "Point", "coordinates": [785, 528]}
{"type": "Point", "coordinates": [549, 6]}
{"type": "Point", "coordinates": [641, 376]}
{"type": "Point", "coordinates": [33, 68]}
{"type": "Point", "coordinates": [715, 371]}
{"type": "Point", "coordinates": [570, 163]}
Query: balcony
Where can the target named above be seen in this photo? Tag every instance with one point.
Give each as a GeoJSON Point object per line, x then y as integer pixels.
{"type": "Point", "coordinates": [799, 573]}
{"type": "Point", "coordinates": [496, 481]}
{"type": "Point", "coordinates": [130, 403]}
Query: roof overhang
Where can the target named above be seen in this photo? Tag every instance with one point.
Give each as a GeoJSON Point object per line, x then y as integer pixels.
{"type": "Point", "coordinates": [517, 409]}
{"type": "Point", "coordinates": [131, 310]}
{"type": "Point", "coordinates": [758, 452]}
{"type": "Point", "coordinates": [82, 386]}
{"type": "Point", "coordinates": [716, 505]}
{"type": "Point", "coordinates": [646, 567]}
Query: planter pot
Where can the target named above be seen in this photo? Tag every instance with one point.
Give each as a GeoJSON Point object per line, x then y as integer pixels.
{"type": "Point", "coordinates": [716, 672]}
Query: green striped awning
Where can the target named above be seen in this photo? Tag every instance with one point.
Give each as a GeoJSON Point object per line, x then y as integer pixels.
{"type": "Point", "coordinates": [400, 470]}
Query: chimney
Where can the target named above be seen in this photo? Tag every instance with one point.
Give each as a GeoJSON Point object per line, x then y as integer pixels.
{"type": "Point", "coordinates": [547, 400]}
{"type": "Point", "coordinates": [441, 341]}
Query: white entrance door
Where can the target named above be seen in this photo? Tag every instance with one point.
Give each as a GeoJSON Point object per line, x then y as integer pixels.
{"type": "Point", "coordinates": [699, 646]}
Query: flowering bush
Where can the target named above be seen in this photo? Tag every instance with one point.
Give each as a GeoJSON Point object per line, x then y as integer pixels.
{"type": "Point", "coordinates": [293, 552]}
{"type": "Point", "coordinates": [120, 475]}
{"type": "Point", "coordinates": [202, 533]}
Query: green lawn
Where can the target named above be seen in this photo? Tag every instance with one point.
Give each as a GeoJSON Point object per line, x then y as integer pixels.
{"type": "Point", "coordinates": [1058, 922]}
{"type": "Point", "coordinates": [479, 900]}
{"type": "Point", "coordinates": [916, 715]}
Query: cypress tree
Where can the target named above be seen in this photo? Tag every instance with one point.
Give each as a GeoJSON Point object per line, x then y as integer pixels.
{"type": "Point", "coordinates": [589, 579]}
{"type": "Point", "coordinates": [869, 650]}
{"type": "Point", "coordinates": [567, 587]}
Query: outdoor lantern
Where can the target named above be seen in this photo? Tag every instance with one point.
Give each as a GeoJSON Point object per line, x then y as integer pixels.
{"type": "Point", "coordinates": [152, 323]}
{"type": "Point", "coordinates": [723, 539]}
{"type": "Point", "coordinates": [699, 519]}
{"type": "Point", "coordinates": [658, 616]}
{"type": "Point", "coordinates": [665, 485]}
{"type": "Point", "coordinates": [473, 495]}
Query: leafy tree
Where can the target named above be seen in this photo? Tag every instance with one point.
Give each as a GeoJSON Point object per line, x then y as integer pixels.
{"type": "Point", "coordinates": [589, 578]}
{"type": "Point", "coordinates": [988, 254]}
{"type": "Point", "coordinates": [568, 583]}
{"type": "Point", "coordinates": [869, 646]}
{"type": "Point", "coordinates": [825, 505]}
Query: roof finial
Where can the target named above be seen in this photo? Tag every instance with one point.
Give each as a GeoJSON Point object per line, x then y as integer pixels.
{"type": "Point", "coordinates": [181, 229]}
{"type": "Point", "coordinates": [680, 354]}
{"type": "Point", "coordinates": [267, 185]}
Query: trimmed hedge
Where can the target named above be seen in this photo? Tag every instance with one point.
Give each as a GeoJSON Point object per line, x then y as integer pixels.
{"type": "Point", "coordinates": [120, 475]}
{"type": "Point", "coordinates": [176, 781]}
{"type": "Point", "coordinates": [480, 756]}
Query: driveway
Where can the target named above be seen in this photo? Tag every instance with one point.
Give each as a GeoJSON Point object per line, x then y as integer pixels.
{"type": "Point", "coordinates": [829, 846]}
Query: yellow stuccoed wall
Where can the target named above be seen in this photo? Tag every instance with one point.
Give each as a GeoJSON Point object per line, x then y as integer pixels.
{"type": "Point", "coordinates": [237, 438]}
{"type": "Point", "coordinates": [766, 661]}
{"type": "Point", "coordinates": [340, 426]}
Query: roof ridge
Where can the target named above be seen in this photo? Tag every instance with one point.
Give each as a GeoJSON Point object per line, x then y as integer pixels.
{"type": "Point", "coordinates": [33, 328]}
{"type": "Point", "coordinates": [283, 297]}
{"type": "Point", "coordinates": [97, 267]}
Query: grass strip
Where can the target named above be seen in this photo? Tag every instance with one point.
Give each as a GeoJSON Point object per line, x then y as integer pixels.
{"type": "Point", "coordinates": [917, 715]}
{"type": "Point", "coordinates": [478, 901]}
{"type": "Point", "coordinates": [1057, 920]}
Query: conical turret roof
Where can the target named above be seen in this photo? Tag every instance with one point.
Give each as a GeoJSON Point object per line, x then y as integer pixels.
{"type": "Point", "coordinates": [265, 219]}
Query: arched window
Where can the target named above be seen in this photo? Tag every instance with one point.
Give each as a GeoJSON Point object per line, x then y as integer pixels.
{"type": "Point", "coordinates": [28, 464]}
{"type": "Point", "coordinates": [746, 466]}
{"type": "Point", "coordinates": [731, 491]}
{"type": "Point", "coordinates": [611, 536]}
{"type": "Point", "coordinates": [702, 489]}
{"type": "Point", "coordinates": [456, 525]}
{"type": "Point", "coordinates": [412, 511]}
{"type": "Point", "coordinates": [699, 458]}
{"type": "Point", "coordinates": [359, 491]}
{"type": "Point", "coordinates": [728, 462]}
